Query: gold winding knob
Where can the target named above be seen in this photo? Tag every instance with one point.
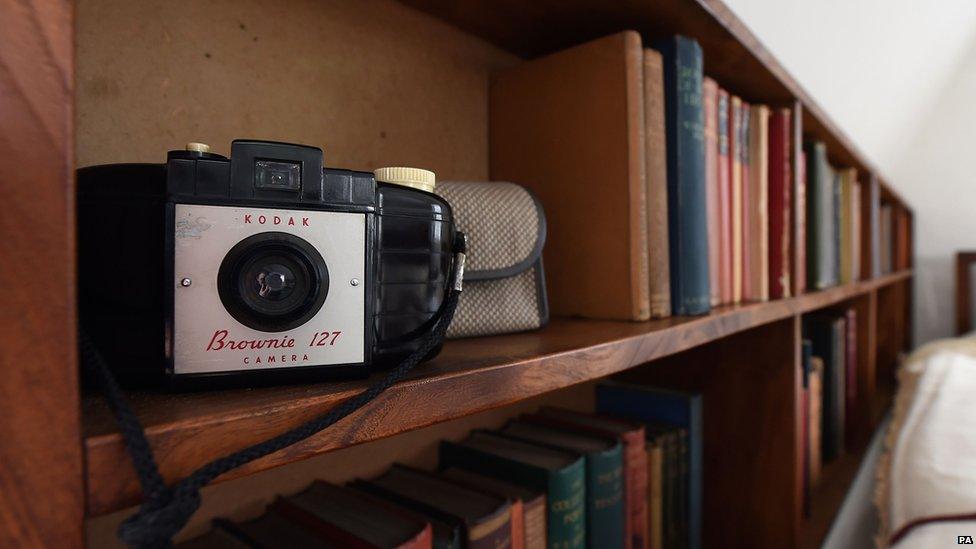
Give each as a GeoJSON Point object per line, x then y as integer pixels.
{"type": "Point", "coordinates": [198, 147]}
{"type": "Point", "coordinates": [416, 178]}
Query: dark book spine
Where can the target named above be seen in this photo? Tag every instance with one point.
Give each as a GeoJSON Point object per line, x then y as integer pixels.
{"type": "Point", "coordinates": [837, 194]}
{"type": "Point", "coordinates": [839, 336]}
{"type": "Point", "coordinates": [605, 514]}
{"type": "Point", "coordinates": [806, 358]}
{"type": "Point", "coordinates": [850, 369]}
{"type": "Point", "coordinates": [780, 204]}
{"type": "Point", "coordinates": [565, 489]}
{"type": "Point", "coordinates": [687, 223]}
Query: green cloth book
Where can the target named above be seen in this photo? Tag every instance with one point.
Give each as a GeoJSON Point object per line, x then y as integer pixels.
{"type": "Point", "coordinates": [603, 458]}
{"type": "Point", "coordinates": [559, 473]}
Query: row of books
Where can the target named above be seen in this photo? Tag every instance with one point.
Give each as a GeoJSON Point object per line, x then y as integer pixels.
{"type": "Point", "coordinates": [626, 477]}
{"type": "Point", "coordinates": [830, 390]}
{"type": "Point", "coordinates": [665, 193]}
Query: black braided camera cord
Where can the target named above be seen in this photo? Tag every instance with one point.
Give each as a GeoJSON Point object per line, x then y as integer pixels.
{"type": "Point", "coordinates": [166, 509]}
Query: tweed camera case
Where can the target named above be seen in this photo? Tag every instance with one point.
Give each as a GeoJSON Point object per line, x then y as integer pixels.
{"type": "Point", "coordinates": [504, 281]}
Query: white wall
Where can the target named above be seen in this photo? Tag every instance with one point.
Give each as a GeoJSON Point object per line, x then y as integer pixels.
{"type": "Point", "coordinates": [899, 77]}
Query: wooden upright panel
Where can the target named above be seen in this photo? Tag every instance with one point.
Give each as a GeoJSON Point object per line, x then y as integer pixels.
{"type": "Point", "coordinates": [41, 496]}
{"type": "Point", "coordinates": [750, 386]}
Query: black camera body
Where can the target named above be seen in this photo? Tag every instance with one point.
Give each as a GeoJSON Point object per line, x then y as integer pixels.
{"type": "Point", "coordinates": [264, 267]}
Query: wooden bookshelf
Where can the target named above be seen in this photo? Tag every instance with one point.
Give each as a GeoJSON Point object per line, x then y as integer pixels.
{"type": "Point", "coordinates": [62, 443]}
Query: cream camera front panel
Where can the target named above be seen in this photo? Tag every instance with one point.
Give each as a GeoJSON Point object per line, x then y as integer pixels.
{"type": "Point", "coordinates": [206, 338]}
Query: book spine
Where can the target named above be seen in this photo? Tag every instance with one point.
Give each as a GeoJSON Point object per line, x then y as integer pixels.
{"type": "Point", "coordinates": [724, 200]}
{"type": "Point", "coordinates": [799, 173]}
{"type": "Point", "coordinates": [780, 204]}
{"type": "Point", "coordinates": [850, 387]}
{"type": "Point", "coordinates": [806, 354]}
{"type": "Point", "coordinates": [759, 202]}
{"type": "Point", "coordinates": [655, 490]}
{"type": "Point", "coordinates": [535, 523]}
{"type": "Point", "coordinates": [837, 227]}
{"type": "Point", "coordinates": [492, 533]}
{"type": "Point", "coordinates": [839, 374]}
{"type": "Point", "coordinates": [687, 224]}
{"type": "Point", "coordinates": [605, 513]}
{"type": "Point", "coordinates": [640, 286]}
{"type": "Point", "coordinates": [635, 476]}
{"type": "Point", "coordinates": [659, 273]}
{"type": "Point", "coordinates": [875, 221]}
{"type": "Point", "coordinates": [846, 257]}
{"type": "Point", "coordinates": [745, 147]}
{"type": "Point", "coordinates": [710, 100]}
{"type": "Point", "coordinates": [856, 227]}
{"type": "Point", "coordinates": [816, 419]}
{"type": "Point", "coordinates": [821, 228]}
{"type": "Point", "coordinates": [735, 159]}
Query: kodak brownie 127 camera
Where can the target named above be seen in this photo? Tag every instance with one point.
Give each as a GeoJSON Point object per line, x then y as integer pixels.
{"type": "Point", "coordinates": [262, 266]}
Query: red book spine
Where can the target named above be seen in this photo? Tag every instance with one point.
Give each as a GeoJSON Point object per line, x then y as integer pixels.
{"type": "Point", "coordinates": [780, 182]}
{"type": "Point", "coordinates": [724, 200]}
{"type": "Point", "coordinates": [710, 99]}
{"type": "Point", "coordinates": [850, 386]}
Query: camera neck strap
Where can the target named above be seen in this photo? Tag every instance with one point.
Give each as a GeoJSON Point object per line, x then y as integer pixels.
{"type": "Point", "coordinates": [166, 509]}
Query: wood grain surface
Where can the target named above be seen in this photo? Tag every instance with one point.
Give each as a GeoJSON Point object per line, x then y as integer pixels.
{"type": "Point", "coordinates": [41, 479]}
{"type": "Point", "coordinates": [187, 430]}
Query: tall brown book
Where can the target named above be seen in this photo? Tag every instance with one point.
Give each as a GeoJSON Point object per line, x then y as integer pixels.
{"type": "Point", "coordinates": [570, 127]}
{"type": "Point", "coordinates": [815, 385]}
{"type": "Point", "coordinates": [655, 156]}
{"type": "Point", "coordinates": [735, 160]}
{"type": "Point", "coordinates": [710, 100]}
{"type": "Point", "coordinates": [757, 205]}
{"type": "Point", "coordinates": [655, 495]}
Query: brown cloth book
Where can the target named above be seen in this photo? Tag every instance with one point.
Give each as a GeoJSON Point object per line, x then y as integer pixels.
{"type": "Point", "coordinates": [350, 518]}
{"type": "Point", "coordinates": [570, 127]}
{"type": "Point", "coordinates": [815, 386]}
{"type": "Point", "coordinates": [655, 494]}
{"type": "Point", "coordinates": [710, 98]}
{"type": "Point", "coordinates": [757, 205]}
{"type": "Point", "coordinates": [528, 506]}
{"type": "Point", "coordinates": [632, 436]}
{"type": "Point", "coordinates": [655, 156]}
{"type": "Point", "coordinates": [485, 519]}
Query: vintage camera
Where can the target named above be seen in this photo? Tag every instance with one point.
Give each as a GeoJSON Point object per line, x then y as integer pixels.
{"type": "Point", "coordinates": [262, 267]}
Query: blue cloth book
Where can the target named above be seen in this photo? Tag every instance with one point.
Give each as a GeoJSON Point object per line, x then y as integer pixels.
{"type": "Point", "coordinates": [656, 406]}
{"type": "Point", "coordinates": [685, 129]}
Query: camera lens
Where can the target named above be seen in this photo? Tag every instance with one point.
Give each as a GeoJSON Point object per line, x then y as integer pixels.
{"type": "Point", "coordinates": [273, 281]}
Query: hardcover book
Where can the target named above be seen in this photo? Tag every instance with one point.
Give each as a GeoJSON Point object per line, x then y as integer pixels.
{"type": "Point", "coordinates": [821, 219]}
{"type": "Point", "coordinates": [745, 149]}
{"type": "Point", "coordinates": [850, 376]}
{"type": "Point", "coordinates": [724, 200]}
{"type": "Point", "coordinates": [816, 419]}
{"type": "Point", "coordinates": [799, 240]}
{"type": "Point", "coordinates": [350, 518]}
{"type": "Point", "coordinates": [780, 204]}
{"type": "Point", "coordinates": [687, 222]}
{"type": "Point", "coordinates": [657, 185]}
{"type": "Point", "coordinates": [484, 519]}
{"type": "Point", "coordinates": [528, 505]}
{"type": "Point", "coordinates": [757, 208]}
{"type": "Point", "coordinates": [710, 99]}
{"type": "Point", "coordinates": [633, 438]}
{"type": "Point", "coordinates": [856, 228]}
{"type": "Point", "coordinates": [655, 491]}
{"type": "Point", "coordinates": [580, 148]}
{"type": "Point", "coordinates": [682, 410]}
{"type": "Point", "coordinates": [875, 221]}
{"type": "Point", "coordinates": [735, 170]}
{"type": "Point", "coordinates": [848, 178]}
{"type": "Point", "coordinates": [559, 473]}
{"type": "Point", "coordinates": [603, 458]}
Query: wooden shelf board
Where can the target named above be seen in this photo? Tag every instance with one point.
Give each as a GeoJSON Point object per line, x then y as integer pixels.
{"type": "Point", "coordinates": [188, 430]}
{"type": "Point", "coordinates": [734, 56]}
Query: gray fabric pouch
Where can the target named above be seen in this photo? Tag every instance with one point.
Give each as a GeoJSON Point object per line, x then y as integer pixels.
{"type": "Point", "coordinates": [504, 283]}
